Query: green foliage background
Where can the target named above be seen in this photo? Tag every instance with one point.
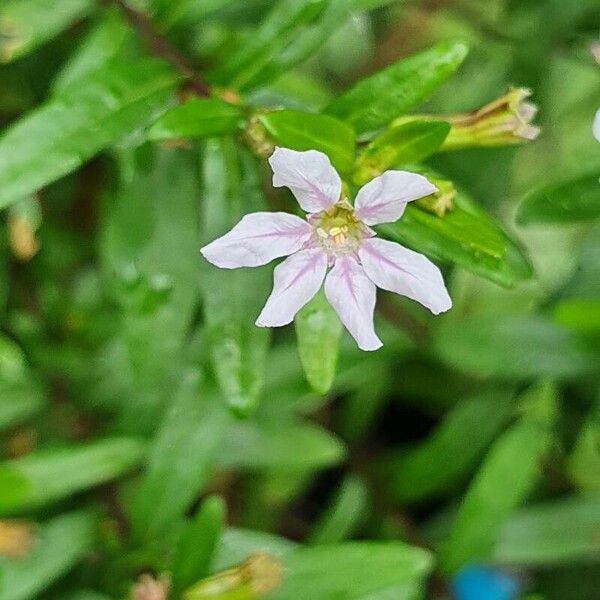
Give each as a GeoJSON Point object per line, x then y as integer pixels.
{"type": "Point", "coordinates": [149, 427]}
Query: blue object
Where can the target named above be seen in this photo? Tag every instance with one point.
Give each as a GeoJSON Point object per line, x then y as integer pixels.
{"type": "Point", "coordinates": [478, 582]}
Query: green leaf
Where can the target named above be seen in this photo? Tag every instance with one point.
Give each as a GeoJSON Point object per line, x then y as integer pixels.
{"type": "Point", "coordinates": [579, 314]}
{"type": "Point", "coordinates": [353, 570]}
{"type": "Point", "coordinates": [448, 455]}
{"type": "Point", "coordinates": [105, 41]}
{"type": "Point", "coordinates": [50, 475]}
{"type": "Point", "coordinates": [319, 331]}
{"type": "Point", "coordinates": [565, 202]}
{"type": "Point", "coordinates": [553, 533]}
{"type": "Point", "coordinates": [152, 276]}
{"type": "Point", "coordinates": [515, 457]}
{"type": "Point", "coordinates": [232, 300]}
{"type": "Point", "coordinates": [309, 131]}
{"type": "Point", "coordinates": [344, 514]}
{"type": "Point", "coordinates": [512, 347]}
{"type": "Point", "coordinates": [26, 24]}
{"type": "Point", "coordinates": [375, 101]}
{"type": "Point", "coordinates": [408, 143]}
{"type": "Point", "coordinates": [60, 544]}
{"type": "Point", "coordinates": [466, 236]}
{"type": "Point", "coordinates": [583, 465]}
{"type": "Point", "coordinates": [21, 394]}
{"type": "Point", "coordinates": [197, 118]}
{"type": "Point", "coordinates": [189, 438]}
{"type": "Point", "coordinates": [244, 69]}
{"type": "Point", "coordinates": [197, 545]}
{"type": "Point", "coordinates": [84, 119]}
{"type": "Point", "coordinates": [290, 447]}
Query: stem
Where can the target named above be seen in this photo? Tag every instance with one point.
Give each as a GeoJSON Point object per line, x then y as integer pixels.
{"type": "Point", "coordinates": [160, 46]}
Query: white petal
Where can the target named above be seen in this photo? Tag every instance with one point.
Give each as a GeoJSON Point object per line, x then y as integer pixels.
{"type": "Point", "coordinates": [384, 199]}
{"type": "Point", "coordinates": [310, 177]}
{"type": "Point", "coordinates": [257, 239]}
{"type": "Point", "coordinates": [597, 126]}
{"type": "Point", "coordinates": [296, 280]}
{"type": "Point", "coordinates": [352, 294]}
{"type": "Point", "coordinates": [400, 270]}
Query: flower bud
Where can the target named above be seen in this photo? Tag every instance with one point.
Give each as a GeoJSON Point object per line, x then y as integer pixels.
{"type": "Point", "coordinates": [150, 588]}
{"type": "Point", "coordinates": [16, 538]}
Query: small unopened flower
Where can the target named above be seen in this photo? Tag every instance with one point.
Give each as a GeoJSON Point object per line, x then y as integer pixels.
{"type": "Point", "coordinates": [337, 236]}
{"type": "Point", "coordinates": [505, 121]}
{"type": "Point", "coordinates": [17, 538]}
{"type": "Point", "coordinates": [596, 126]}
{"type": "Point", "coordinates": [150, 588]}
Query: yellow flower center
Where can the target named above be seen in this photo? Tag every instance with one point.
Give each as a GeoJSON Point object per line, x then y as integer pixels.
{"type": "Point", "coordinates": [338, 230]}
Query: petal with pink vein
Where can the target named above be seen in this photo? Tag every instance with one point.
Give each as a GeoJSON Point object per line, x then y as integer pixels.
{"type": "Point", "coordinates": [384, 199]}
{"type": "Point", "coordinates": [310, 177]}
{"type": "Point", "coordinates": [400, 270]}
{"type": "Point", "coordinates": [258, 239]}
{"type": "Point", "coordinates": [296, 280]}
{"type": "Point", "coordinates": [352, 294]}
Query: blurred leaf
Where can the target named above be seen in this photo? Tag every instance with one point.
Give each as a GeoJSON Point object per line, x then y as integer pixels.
{"type": "Point", "coordinates": [84, 119]}
{"type": "Point", "coordinates": [280, 446]}
{"type": "Point", "coordinates": [564, 202]}
{"type": "Point", "coordinates": [198, 117]}
{"type": "Point", "coordinates": [191, 12]}
{"type": "Point", "coordinates": [579, 314]}
{"type": "Point", "coordinates": [61, 543]}
{"type": "Point", "coordinates": [408, 143]}
{"type": "Point", "coordinates": [180, 460]}
{"type": "Point", "coordinates": [376, 100]}
{"type": "Point", "coordinates": [21, 394]}
{"type": "Point", "coordinates": [351, 571]}
{"type": "Point", "coordinates": [345, 513]}
{"type": "Point", "coordinates": [101, 44]}
{"type": "Point", "coordinates": [26, 24]}
{"type": "Point", "coordinates": [309, 131]}
{"type": "Point", "coordinates": [515, 457]}
{"type": "Point", "coordinates": [244, 68]}
{"type": "Point", "coordinates": [197, 544]}
{"type": "Point", "coordinates": [583, 465]}
{"type": "Point", "coordinates": [448, 455]}
{"type": "Point", "coordinates": [153, 274]}
{"type": "Point", "coordinates": [513, 347]}
{"type": "Point", "coordinates": [553, 533]}
{"type": "Point", "coordinates": [467, 236]}
{"type": "Point", "coordinates": [50, 475]}
{"type": "Point", "coordinates": [233, 299]}
{"type": "Point", "coordinates": [319, 331]}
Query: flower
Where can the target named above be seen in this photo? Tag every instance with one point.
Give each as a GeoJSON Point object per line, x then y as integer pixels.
{"type": "Point", "coordinates": [334, 235]}
{"type": "Point", "coordinates": [596, 126]}
{"type": "Point", "coordinates": [150, 588]}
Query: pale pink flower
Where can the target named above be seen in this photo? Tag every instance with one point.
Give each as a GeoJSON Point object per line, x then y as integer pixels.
{"type": "Point", "coordinates": [334, 235]}
{"type": "Point", "coordinates": [596, 127]}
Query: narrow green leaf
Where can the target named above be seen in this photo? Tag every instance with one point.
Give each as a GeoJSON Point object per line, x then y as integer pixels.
{"type": "Point", "coordinates": [514, 458]}
{"type": "Point", "coordinates": [105, 41]}
{"type": "Point", "coordinates": [197, 545]}
{"type": "Point", "coordinates": [244, 68]}
{"type": "Point", "coordinates": [26, 24]}
{"type": "Point", "coordinates": [579, 314]}
{"type": "Point", "coordinates": [513, 347]}
{"type": "Point", "coordinates": [448, 455]}
{"type": "Point", "coordinates": [401, 145]}
{"type": "Point", "coordinates": [565, 202]}
{"type": "Point", "coordinates": [344, 514]}
{"type": "Point", "coordinates": [375, 101]}
{"type": "Point", "coordinates": [61, 543]}
{"type": "Point", "coordinates": [21, 394]}
{"type": "Point", "coordinates": [197, 118]}
{"type": "Point", "coordinates": [233, 298]}
{"type": "Point", "coordinates": [71, 128]}
{"type": "Point", "coordinates": [583, 465]}
{"type": "Point", "coordinates": [190, 12]}
{"type": "Point", "coordinates": [319, 331]}
{"type": "Point", "coordinates": [298, 447]}
{"type": "Point", "coordinates": [351, 571]}
{"type": "Point", "coordinates": [189, 437]}
{"type": "Point", "coordinates": [152, 275]}
{"type": "Point", "coordinates": [50, 475]}
{"type": "Point", "coordinates": [309, 131]}
{"type": "Point", "coordinates": [553, 533]}
{"type": "Point", "coordinates": [466, 236]}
